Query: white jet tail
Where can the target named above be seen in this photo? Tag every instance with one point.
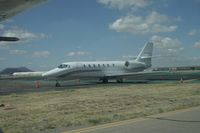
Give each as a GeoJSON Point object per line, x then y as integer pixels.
{"type": "Point", "coordinates": [146, 54]}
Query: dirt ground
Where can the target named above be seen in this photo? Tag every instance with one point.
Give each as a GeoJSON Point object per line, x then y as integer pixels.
{"type": "Point", "coordinates": [24, 108]}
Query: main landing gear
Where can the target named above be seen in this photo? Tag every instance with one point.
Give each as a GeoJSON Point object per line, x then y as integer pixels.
{"type": "Point", "coordinates": [104, 80]}
{"type": "Point", "coordinates": [120, 81]}
{"type": "Point", "coordinates": [57, 84]}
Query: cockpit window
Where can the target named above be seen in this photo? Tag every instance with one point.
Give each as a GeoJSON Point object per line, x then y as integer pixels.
{"type": "Point", "coordinates": [62, 66]}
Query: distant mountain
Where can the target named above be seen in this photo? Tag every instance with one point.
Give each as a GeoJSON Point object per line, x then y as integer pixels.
{"type": "Point", "coordinates": [10, 71]}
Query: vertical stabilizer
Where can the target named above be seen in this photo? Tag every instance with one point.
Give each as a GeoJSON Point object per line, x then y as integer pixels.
{"type": "Point", "coordinates": [146, 54]}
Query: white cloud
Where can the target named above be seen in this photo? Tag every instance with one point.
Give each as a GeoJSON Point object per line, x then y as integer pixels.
{"type": "Point", "coordinates": [17, 52]}
{"type": "Point", "coordinates": [165, 42]}
{"type": "Point", "coordinates": [197, 44]}
{"type": "Point", "coordinates": [152, 23]}
{"type": "Point", "coordinates": [167, 46]}
{"type": "Point", "coordinates": [192, 32]}
{"type": "Point", "coordinates": [156, 28]}
{"type": "Point", "coordinates": [3, 47]}
{"type": "Point", "coordinates": [71, 54]}
{"type": "Point", "coordinates": [43, 54]}
{"type": "Point", "coordinates": [23, 35]}
{"type": "Point", "coordinates": [123, 4]}
{"type": "Point", "coordinates": [78, 53]}
{"type": "Point", "coordinates": [170, 51]}
{"type": "Point", "coordinates": [1, 26]}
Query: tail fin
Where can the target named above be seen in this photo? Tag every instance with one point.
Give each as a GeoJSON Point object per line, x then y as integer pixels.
{"type": "Point", "coordinates": [146, 54]}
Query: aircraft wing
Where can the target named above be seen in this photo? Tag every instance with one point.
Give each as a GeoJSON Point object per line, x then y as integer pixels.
{"type": "Point", "coordinates": [157, 75]}
{"type": "Point", "coordinates": [23, 76]}
{"type": "Point", "coordinates": [9, 8]}
{"type": "Point", "coordinates": [136, 74]}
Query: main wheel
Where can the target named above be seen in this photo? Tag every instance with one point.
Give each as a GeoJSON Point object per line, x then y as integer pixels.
{"type": "Point", "coordinates": [119, 80]}
{"type": "Point", "coordinates": [105, 80]}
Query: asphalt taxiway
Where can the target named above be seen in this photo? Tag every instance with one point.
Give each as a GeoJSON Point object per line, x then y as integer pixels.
{"type": "Point", "coordinates": [9, 86]}
{"type": "Point", "coordinates": [182, 121]}
{"type": "Point", "coordinates": [12, 86]}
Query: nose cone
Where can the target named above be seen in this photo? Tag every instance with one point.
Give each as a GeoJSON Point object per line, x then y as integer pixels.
{"type": "Point", "coordinates": [52, 73]}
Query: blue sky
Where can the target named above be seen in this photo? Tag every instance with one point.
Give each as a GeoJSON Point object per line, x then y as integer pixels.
{"type": "Point", "coordinates": [75, 30]}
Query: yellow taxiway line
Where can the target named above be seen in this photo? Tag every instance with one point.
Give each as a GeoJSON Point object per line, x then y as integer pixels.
{"type": "Point", "coordinates": [109, 125]}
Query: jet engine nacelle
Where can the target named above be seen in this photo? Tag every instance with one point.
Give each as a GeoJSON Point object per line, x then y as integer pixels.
{"type": "Point", "coordinates": [134, 65]}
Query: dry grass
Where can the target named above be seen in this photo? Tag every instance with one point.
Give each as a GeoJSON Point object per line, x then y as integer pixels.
{"type": "Point", "coordinates": [73, 107]}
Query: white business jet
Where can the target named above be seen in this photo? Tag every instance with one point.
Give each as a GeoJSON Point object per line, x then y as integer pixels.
{"type": "Point", "coordinates": [102, 70]}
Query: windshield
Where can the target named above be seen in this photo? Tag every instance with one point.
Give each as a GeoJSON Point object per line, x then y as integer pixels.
{"type": "Point", "coordinates": [62, 66]}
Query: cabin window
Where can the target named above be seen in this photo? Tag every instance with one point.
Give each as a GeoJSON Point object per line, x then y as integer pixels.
{"type": "Point", "coordinates": [103, 65]}
{"type": "Point", "coordinates": [84, 66]}
{"type": "Point", "coordinates": [93, 65]}
{"type": "Point", "coordinates": [108, 65]}
{"type": "Point", "coordinates": [113, 65]}
{"type": "Point", "coordinates": [68, 66]}
{"type": "Point", "coordinates": [89, 65]}
{"type": "Point", "coordinates": [99, 65]}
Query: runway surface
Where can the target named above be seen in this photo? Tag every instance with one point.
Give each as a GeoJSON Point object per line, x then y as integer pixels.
{"type": "Point", "coordinates": [183, 121]}
{"type": "Point", "coordinates": [9, 87]}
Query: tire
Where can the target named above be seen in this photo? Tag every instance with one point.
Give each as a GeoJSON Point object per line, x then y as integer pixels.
{"type": "Point", "coordinates": [119, 80]}
{"type": "Point", "coordinates": [105, 80]}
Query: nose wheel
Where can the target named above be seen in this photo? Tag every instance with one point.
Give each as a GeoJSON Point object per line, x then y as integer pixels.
{"type": "Point", "coordinates": [57, 84]}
